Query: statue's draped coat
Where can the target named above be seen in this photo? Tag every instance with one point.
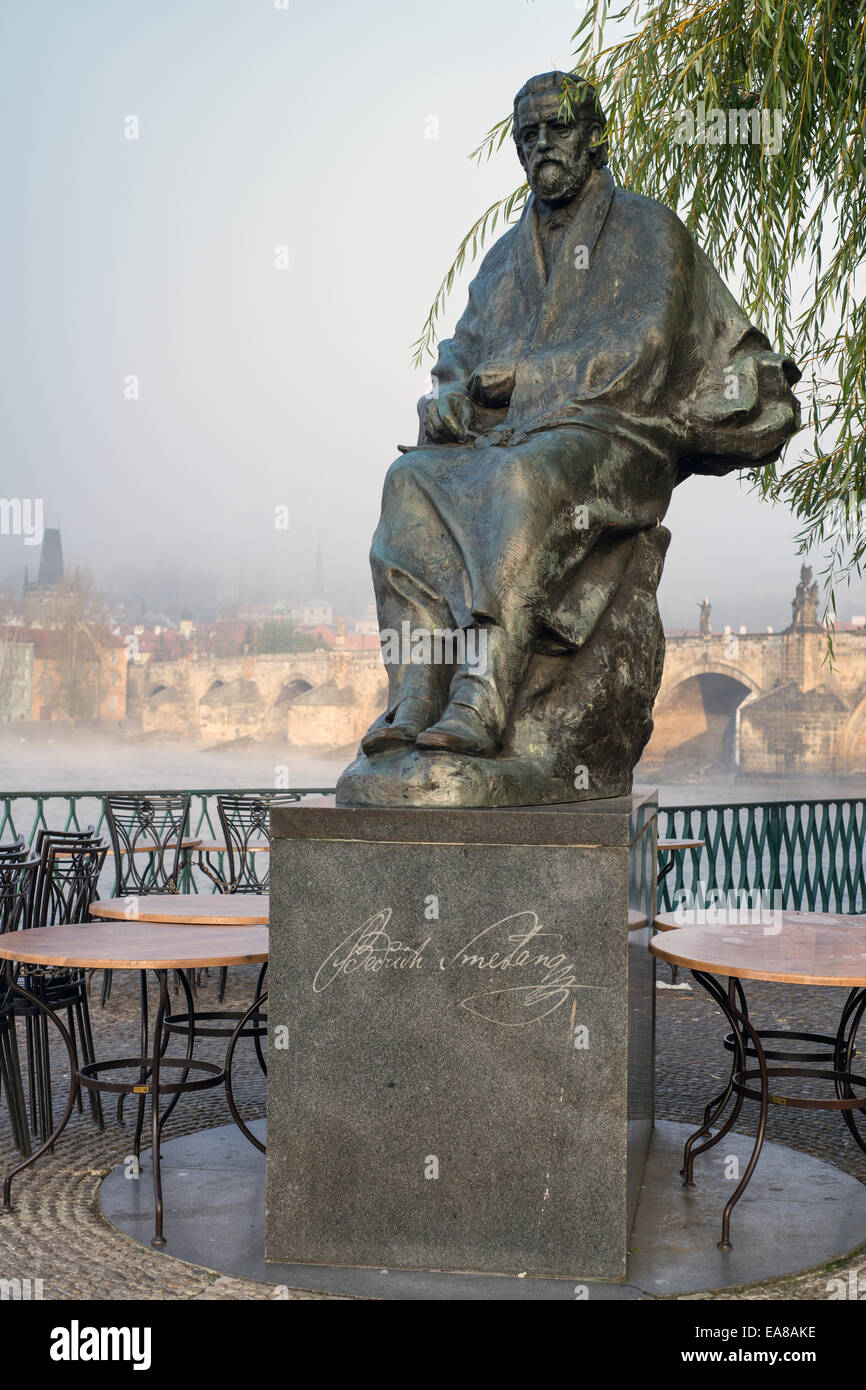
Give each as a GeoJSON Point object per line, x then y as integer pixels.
{"type": "Point", "coordinates": [645, 343]}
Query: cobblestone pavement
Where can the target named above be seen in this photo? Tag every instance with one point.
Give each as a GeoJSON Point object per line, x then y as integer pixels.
{"type": "Point", "coordinates": [57, 1234]}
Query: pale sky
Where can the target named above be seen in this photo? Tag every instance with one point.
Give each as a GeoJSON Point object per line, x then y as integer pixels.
{"type": "Point", "coordinates": [260, 127]}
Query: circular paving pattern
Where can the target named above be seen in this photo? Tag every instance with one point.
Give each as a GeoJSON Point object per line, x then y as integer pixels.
{"type": "Point", "coordinates": [56, 1232]}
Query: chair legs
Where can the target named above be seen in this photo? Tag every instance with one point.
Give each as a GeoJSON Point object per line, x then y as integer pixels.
{"type": "Point", "coordinates": [13, 1086]}
{"type": "Point", "coordinates": [36, 1031]}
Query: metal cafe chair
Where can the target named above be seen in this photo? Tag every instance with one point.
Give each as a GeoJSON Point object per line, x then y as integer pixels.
{"type": "Point", "coordinates": [14, 849]}
{"type": "Point", "coordinates": [17, 887]}
{"type": "Point", "coordinates": [244, 823]}
{"type": "Point", "coordinates": [69, 866]}
{"type": "Point", "coordinates": [147, 834]}
{"type": "Point", "coordinates": [63, 839]}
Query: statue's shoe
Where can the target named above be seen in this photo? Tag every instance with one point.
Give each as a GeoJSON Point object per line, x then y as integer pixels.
{"type": "Point", "coordinates": [460, 730]}
{"type": "Point", "coordinates": [409, 718]}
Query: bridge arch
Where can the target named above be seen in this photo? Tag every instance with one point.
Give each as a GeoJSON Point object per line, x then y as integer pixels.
{"type": "Point", "coordinates": [708, 668]}
{"type": "Point", "coordinates": [696, 720]}
{"type": "Point", "coordinates": [291, 690]}
{"type": "Point", "coordinates": [278, 711]}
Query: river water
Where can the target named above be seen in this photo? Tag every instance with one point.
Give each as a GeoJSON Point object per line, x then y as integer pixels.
{"type": "Point", "coordinates": [58, 760]}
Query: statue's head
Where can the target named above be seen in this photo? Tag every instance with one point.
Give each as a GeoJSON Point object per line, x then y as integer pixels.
{"type": "Point", "coordinates": [558, 152]}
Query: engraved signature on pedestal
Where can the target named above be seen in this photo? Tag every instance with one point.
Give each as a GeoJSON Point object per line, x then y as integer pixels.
{"type": "Point", "coordinates": [514, 943]}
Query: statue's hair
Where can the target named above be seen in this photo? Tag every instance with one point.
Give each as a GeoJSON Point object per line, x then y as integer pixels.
{"type": "Point", "coordinates": [585, 104]}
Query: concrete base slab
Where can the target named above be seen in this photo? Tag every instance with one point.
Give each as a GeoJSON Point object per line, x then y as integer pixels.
{"type": "Point", "coordinates": [798, 1212]}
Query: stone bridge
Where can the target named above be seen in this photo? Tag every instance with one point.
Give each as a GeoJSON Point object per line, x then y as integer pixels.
{"type": "Point", "coordinates": [322, 699]}
{"type": "Point", "coordinates": [766, 702]}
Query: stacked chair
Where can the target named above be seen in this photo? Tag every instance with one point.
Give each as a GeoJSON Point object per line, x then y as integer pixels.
{"type": "Point", "coordinates": [55, 887]}
{"type": "Point", "coordinates": [67, 882]}
{"type": "Point", "coordinates": [17, 887]}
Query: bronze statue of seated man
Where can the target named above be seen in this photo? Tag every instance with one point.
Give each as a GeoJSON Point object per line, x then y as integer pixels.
{"type": "Point", "coordinates": [600, 361]}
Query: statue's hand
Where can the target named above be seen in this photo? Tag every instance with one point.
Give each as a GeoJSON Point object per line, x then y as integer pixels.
{"type": "Point", "coordinates": [450, 416]}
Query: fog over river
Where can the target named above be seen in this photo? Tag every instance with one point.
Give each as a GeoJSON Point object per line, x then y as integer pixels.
{"type": "Point", "coordinates": [54, 758]}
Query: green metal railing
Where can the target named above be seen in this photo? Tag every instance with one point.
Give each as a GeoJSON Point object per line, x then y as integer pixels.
{"type": "Point", "coordinates": [26, 813]}
{"type": "Point", "coordinates": [77, 810]}
{"type": "Point", "coordinates": [812, 852]}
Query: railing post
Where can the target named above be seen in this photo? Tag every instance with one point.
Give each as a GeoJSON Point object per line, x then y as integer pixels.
{"type": "Point", "coordinates": [774, 844]}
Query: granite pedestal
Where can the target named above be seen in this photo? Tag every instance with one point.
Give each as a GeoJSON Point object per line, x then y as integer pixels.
{"type": "Point", "coordinates": [461, 1036]}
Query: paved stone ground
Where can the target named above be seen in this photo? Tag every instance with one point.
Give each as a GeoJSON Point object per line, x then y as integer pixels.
{"type": "Point", "coordinates": [689, 1055]}
{"type": "Point", "coordinates": [56, 1232]}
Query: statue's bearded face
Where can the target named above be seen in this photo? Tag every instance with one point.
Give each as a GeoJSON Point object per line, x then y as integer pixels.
{"type": "Point", "coordinates": [554, 153]}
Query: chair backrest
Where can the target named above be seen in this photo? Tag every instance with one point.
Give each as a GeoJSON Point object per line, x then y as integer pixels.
{"type": "Point", "coordinates": [64, 837]}
{"type": "Point", "coordinates": [14, 849]}
{"type": "Point", "coordinates": [146, 837]}
{"type": "Point", "coordinates": [66, 882]}
{"type": "Point", "coordinates": [245, 821]}
{"type": "Point", "coordinates": [17, 893]}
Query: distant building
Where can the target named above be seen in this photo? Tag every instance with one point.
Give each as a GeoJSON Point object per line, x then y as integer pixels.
{"type": "Point", "coordinates": [16, 677]}
{"type": "Point", "coordinates": [50, 574]}
{"type": "Point", "coordinates": [157, 643]}
{"type": "Point", "coordinates": [317, 609]}
{"type": "Point", "coordinates": [44, 599]}
{"type": "Point", "coordinates": [50, 673]}
{"type": "Point", "coordinates": [368, 625]}
{"type": "Point", "coordinates": [312, 612]}
{"type": "Point", "coordinates": [363, 641]}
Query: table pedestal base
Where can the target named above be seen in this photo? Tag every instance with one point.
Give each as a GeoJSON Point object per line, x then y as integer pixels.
{"type": "Point", "coordinates": [150, 1066]}
{"type": "Point", "coordinates": [747, 1044]}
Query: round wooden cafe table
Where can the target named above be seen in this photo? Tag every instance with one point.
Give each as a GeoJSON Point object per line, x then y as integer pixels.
{"type": "Point", "coordinates": [197, 910]}
{"type": "Point", "coordinates": [134, 946]}
{"type": "Point", "coordinates": [191, 909]}
{"type": "Point", "coordinates": [673, 848]}
{"type": "Point", "coordinates": [803, 948]}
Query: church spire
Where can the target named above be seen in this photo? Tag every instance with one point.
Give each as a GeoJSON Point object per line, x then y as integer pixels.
{"type": "Point", "coordinates": [319, 573]}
